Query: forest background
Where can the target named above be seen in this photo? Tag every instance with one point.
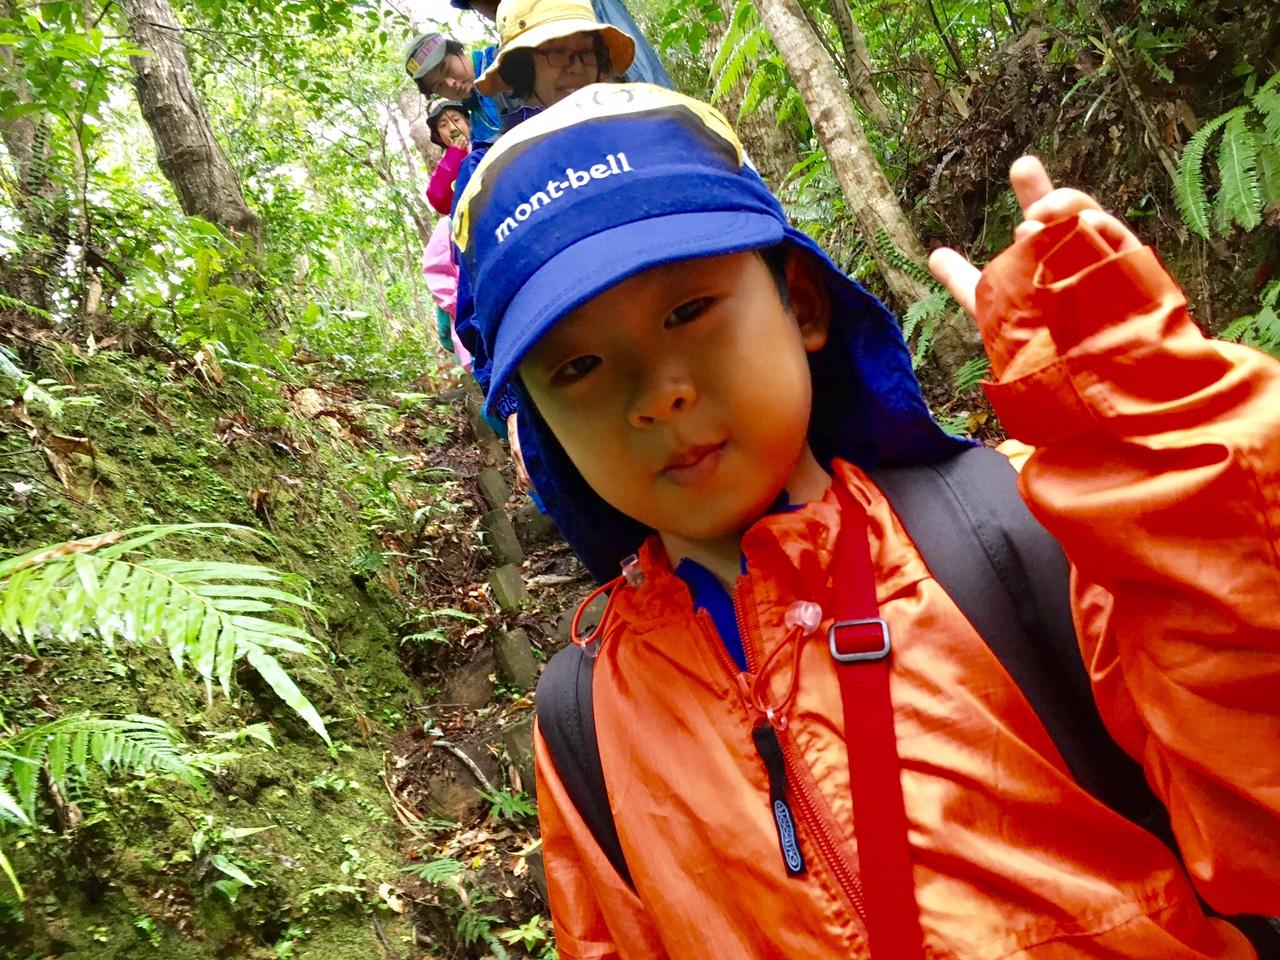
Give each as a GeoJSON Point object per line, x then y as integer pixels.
{"type": "Point", "coordinates": [240, 540]}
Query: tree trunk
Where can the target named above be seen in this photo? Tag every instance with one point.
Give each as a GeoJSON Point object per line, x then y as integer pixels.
{"type": "Point", "coordinates": [866, 189]}
{"type": "Point", "coordinates": [40, 198]}
{"type": "Point", "coordinates": [772, 151]}
{"type": "Point", "coordinates": [189, 155]}
{"type": "Point", "coordinates": [414, 110]}
{"type": "Point", "coordinates": [857, 61]}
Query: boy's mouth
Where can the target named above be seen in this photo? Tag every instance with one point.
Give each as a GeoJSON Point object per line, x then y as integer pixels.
{"type": "Point", "coordinates": [692, 464]}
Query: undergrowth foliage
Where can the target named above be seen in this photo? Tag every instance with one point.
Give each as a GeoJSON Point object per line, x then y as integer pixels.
{"type": "Point", "coordinates": [66, 748]}
{"type": "Point", "coordinates": [1248, 164]}
{"type": "Point", "coordinates": [207, 614]}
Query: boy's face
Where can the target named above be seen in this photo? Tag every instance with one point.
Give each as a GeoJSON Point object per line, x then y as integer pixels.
{"type": "Point", "coordinates": [453, 78]}
{"type": "Point", "coordinates": [682, 394]}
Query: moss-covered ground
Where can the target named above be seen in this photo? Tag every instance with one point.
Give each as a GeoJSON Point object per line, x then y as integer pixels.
{"type": "Point", "coordinates": [137, 877]}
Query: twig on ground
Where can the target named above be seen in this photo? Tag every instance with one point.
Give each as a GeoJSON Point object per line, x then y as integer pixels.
{"type": "Point", "coordinates": [467, 761]}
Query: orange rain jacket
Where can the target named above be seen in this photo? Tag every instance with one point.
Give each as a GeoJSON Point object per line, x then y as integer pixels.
{"type": "Point", "coordinates": [1158, 454]}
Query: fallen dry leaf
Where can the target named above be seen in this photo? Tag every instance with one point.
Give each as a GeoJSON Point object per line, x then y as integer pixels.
{"type": "Point", "coordinates": [65, 444]}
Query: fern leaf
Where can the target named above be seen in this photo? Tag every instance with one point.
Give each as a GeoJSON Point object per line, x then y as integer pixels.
{"type": "Point", "coordinates": [970, 374]}
{"type": "Point", "coordinates": [739, 48]}
{"type": "Point", "coordinates": [1239, 198]}
{"type": "Point", "coordinates": [1266, 100]}
{"type": "Point", "coordinates": [9, 809]}
{"type": "Point", "coordinates": [931, 306]}
{"type": "Point", "coordinates": [269, 669]}
{"type": "Point", "coordinates": [758, 89]}
{"type": "Point", "coordinates": [7, 869]}
{"type": "Point", "coordinates": [65, 745]}
{"type": "Point", "coordinates": [1269, 172]}
{"type": "Point", "coordinates": [208, 614]}
{"type": "Point", "coordinates": [1189, 193]}
{"type": "Point", "coordinates": [900, 261]}
{"type": "Point", "coordinates": [435, 871]}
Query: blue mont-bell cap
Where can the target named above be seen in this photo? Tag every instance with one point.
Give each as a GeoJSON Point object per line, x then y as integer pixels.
{"type": "Point", "coordinates": [616, 179]}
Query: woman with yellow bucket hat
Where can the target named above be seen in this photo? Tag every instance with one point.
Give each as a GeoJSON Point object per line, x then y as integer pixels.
{"type": "Point", "coordinates": [551, 48]}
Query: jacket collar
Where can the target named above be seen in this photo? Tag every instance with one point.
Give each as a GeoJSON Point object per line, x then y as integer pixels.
{"type": "Point", "coordinates": [789, 554]}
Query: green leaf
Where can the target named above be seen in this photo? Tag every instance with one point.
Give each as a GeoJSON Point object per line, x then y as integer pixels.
{"type": "Point", "coordinates": [1240, 196]}
{"type": "Point", "coordinates": [23, 110]}
{"type": "Point", "coordinates": [197, 609]}
{"type": "Point", "coordinates": [435, 871]}
{"type": "Point", "coordinates": [9, 808]}
{"type": "Point", "coordinates": [270, 670]}
{"type": "Point", "coordinates": [1189, 192]}
{"type": "Point", "coordinates": [219, 861]}
{"type": "Point", "coordinates": [7, 868]}
{"type": "Point", "coordinates": [138, 743]}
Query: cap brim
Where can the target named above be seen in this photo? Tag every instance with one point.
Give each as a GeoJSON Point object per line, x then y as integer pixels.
{"type": "Point", "coordinates": [433, 61]}
{"type": "Point", "coordinates": [603, 260]}
{"type": "Point", "coordinates": [622, 49]}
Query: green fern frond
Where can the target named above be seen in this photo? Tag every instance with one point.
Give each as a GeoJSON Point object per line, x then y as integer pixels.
{"type": "Point", "coordinates": [1266, 100]}
{"type": "Point", "coordinates": [10, 810]}
{"type": "Point", "coordinates": [1261, 329]}
{"type": "Point", "coordinates": [474, 925]}
{"type": "Point", "coordinates": [971, 373]}
{"type": "Point", "coordinates": [1189, 193]}
{"type": "Point", "coordinates": [13, 303]}
{"type": "Point", "coordinates": [956, 424]}
{"type": "Point", "coordinates": [1239, 197]}
{"type": "Point", "coordinates": [1237, 329]}
{"type": "Point", "coordinates": [7, 869]}
{"type": "Point", "coordinates": [758, 89]}
{"type": "Point", "coordinates": [728, 41]}
{"type": "Point", "coordinates": [69, 744]}
{"type": "Point", "coordinates": [1269, 172]}
{"type": "Point", "coordinates": [901, 262]}
{"type": "Point", "coordinates": [739, 49]}
{"type": "Point", "coordinates": [921, 321]}
{"type": "Point", "coordinates": [206, 614]}
{"type": "Point", "coordinates": [435, 871]}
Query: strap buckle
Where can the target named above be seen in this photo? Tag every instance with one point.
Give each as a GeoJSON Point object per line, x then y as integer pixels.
{"type": "Point", "coordinates": [876, 652]}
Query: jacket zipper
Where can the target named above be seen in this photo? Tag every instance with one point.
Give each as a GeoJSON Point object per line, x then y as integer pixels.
{"type": "Point", "coordinates": [814, 811]}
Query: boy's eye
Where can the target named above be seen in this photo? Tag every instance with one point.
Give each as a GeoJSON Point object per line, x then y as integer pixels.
{"type": "Point", "coordinates": [688, 311]}
{"type": "Point", "coordinates": [574, 370]}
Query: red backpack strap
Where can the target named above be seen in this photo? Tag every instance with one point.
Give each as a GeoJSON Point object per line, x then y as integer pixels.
{"type": "Point", "coordinates": [862, 649]}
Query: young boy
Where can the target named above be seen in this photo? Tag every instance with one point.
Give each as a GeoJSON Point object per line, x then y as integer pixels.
{"type": "Point", "coordinates": [697, 381]}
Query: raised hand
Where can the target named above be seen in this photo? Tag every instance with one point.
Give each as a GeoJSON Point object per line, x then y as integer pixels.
{"type": "Point", "coordinates": [1041, 204]}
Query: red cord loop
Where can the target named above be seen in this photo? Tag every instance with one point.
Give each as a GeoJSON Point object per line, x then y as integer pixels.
{"type": "Point", "coordinates": [598, 629]}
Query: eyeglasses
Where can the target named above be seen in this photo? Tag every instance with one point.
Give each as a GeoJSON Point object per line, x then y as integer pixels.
{"type": "Point", "coordinates": [558, 57]}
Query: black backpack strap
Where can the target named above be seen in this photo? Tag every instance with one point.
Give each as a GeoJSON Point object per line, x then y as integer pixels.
{"type": "Point", "coordinates": [567, 722]}
{"type": "Point", "coordinates": [1010, 578]}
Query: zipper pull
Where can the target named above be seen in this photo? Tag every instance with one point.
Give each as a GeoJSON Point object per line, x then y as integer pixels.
{"type": "Point", "coordinates": [770, 750]}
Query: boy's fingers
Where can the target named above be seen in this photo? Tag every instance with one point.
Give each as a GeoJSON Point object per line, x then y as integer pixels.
{"type": "Point", "coordinates": [1030, 181]}
{"type": "Point", "coordinates": [1111, 229]}
{"type": "Point", "coordinates": [1027, 228]}
{"type": "Point", "coordinates": [957, 274]}
{"type": "Point", "coordinates": [1060, 204]}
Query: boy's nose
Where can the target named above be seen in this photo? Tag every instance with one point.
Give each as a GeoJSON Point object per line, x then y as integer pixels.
{"type": "Point", "coordinates": [662, 402]}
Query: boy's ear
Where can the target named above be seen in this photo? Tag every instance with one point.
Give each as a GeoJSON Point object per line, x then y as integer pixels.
{"type": "Point", "coordinates": [808, 300]}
